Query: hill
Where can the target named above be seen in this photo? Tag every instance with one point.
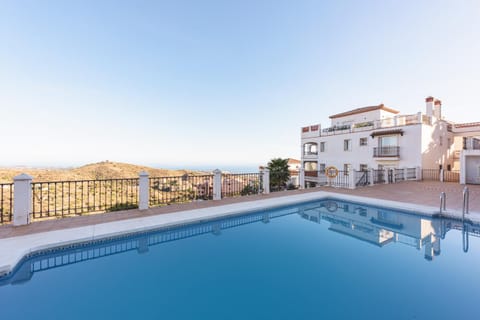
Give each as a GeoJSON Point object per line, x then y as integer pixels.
{"type": "Point", "coordinates": [100, 170]}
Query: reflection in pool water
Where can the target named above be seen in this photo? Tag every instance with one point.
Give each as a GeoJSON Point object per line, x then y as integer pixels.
{"type": "Point", "coordinates": [265, 264]}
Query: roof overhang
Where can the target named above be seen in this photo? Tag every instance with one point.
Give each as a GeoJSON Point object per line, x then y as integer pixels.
{"type": "Point", "coordinates": [387, 133]}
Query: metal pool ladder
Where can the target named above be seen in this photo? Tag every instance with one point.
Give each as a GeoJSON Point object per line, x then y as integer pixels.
{"type": "Point", "coordinates": [466, 199]}
{"type": "Point", "coordinates": [443, 202]}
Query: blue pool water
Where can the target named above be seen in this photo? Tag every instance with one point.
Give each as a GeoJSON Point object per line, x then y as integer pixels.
{"type": "Point", "coordinates": [327, 259]}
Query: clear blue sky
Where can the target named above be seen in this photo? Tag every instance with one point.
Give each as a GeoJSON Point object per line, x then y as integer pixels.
{"type": "Point", "coordinates": [188, 83]}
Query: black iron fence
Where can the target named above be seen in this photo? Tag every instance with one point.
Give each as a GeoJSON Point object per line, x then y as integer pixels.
{"type": "Point", "coordinates": [178, 189]}
{"type": "Point", "coordinates": [362, 178]}
{"type": "Point", "coordinates": [241, 184]}
{"type": "Point", "coordinates": [378, 176]}
{"type": "Point", "coordinates": [386, 152]}
{"type": "Point", "coordinates": [399, 174]}
{"type": "Point", "coordinates": [6, 202]}
{"type": "Point", "coordinates": [67, 198]}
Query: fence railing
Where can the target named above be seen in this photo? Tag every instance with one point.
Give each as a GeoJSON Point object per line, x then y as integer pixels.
{"type": "Point", "coordinates": [399, 174]}
{"type": "Point", "coordinates": [341, 180]}
{"type": "Point", "coordinates": [179, 189]}
{"type": "Point", "coordinates": [6, 202]}
{"type": "Point", "coordinates": [378, 176]}
{"type": "Point", "coordinates": [240, 184]}
{"type": "Point", "coordinates": [362, 178]}
{"type": "Point", "coordinates": [67, 198]}
{"type": "Point", "coordinates": [431, 174]}
{"type": "Point", "coordinates": [51, 199]}
{"type": "Point", "coordinates": [379, 152]}
{"type": "Point", "coordinates": [451, 176]}
{"type": "Point", "coordinates": [411, 173]}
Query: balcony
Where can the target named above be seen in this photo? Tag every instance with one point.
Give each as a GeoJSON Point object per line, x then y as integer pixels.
{"type": "Point", "coordinates": [310, 155]}
{"type": "Point", "coordinates": [311, 173]}
{"type": "Point", "coordinates": [386, 152]}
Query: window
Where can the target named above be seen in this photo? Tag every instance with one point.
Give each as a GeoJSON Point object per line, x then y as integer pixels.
{"type": "Point", "coordinates": [347, 145]}
{"type": "Point", "coordinates": [310, 166]}
{"type": "Point", "coordinates": [363, 167]}
{"type": "Point", "coordinates": [310, 149]}
{"type": "Point", "coordinates": [321, 169]}
{"type": "Point", "coordinates": [363, 141]}
{"type": "Point", "coordinates": [322, 146]}
{"type": "Point", "coordinates": [388, 141]}
{"type": "Point", "coordinates": [346, 168]}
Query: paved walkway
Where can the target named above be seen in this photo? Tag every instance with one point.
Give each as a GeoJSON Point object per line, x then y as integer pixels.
{"type": "Point", "coordinates": [413, 192]}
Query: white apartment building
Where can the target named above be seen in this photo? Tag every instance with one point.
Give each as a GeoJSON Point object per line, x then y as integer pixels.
{"type": "Point", "coordinates": [379, 137]}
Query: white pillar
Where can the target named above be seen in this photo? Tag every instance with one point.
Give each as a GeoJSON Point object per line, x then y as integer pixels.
{"type": "Point", "coordinates": [351, 178]}
{"type": "Point", "coordinates": [217, 184]}
{"type": "Point", "coordinates": [370, 176]}
{"type": "Point", "coordinates": [385, 175]}
{"type": "Point", "coordinates": [418, 173]}
{"type": "Point", "coordinates": [266, 181]}
{"type": "Point", "coordinates": [441, 175]}
{"type": "Point", "coordinates": [143, 191]}
{"type": "Point", "coordinates": [301, 177]}
{"type": "Point", "coordinates": [22, 199]}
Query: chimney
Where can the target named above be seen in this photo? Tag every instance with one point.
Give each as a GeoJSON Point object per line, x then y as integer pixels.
{"type": "Point", "coordinates": [429, 101]}
{"type": "Point", "coordinates": [437, 111]}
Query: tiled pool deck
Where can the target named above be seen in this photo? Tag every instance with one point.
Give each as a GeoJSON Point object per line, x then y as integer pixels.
{"type": "Point", "coordinates": [15, 242]}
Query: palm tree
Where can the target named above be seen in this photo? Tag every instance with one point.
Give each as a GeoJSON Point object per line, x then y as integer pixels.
{"type": "Point", "coordinates": [279, 173]}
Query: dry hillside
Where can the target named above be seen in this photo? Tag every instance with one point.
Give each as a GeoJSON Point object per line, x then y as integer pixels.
{"type": "Point", "coordinates": [100, 170]}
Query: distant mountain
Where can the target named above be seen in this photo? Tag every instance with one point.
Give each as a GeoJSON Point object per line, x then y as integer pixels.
{"type": "Point", "coordinates": [100, 170]}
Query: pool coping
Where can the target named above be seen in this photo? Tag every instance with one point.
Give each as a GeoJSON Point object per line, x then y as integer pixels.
{"type": "Point", "coordinates": [14, 249]}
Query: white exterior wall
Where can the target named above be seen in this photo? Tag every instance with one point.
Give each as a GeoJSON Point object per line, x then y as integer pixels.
{"type": "Point", "coordinates": [363, 117]}
{"type": "Point", "coordinates": [334, 155]}
{"type": "Point", "coordinates": [435, 148]}
{"type": "Point", "coordinates": [427, 142]}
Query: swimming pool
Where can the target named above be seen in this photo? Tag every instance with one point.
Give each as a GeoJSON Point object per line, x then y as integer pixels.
{"type": "Point", "coordinates": [321, 259]}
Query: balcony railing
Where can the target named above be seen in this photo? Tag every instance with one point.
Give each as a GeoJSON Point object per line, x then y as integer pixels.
{"type": "Point", "coordinates": [397, 121]}
{"type": "Point", "coordinates": [386, 152]}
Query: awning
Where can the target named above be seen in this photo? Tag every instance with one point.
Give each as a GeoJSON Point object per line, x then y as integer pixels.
{"type": "Point", "coordinates": [387, 132]}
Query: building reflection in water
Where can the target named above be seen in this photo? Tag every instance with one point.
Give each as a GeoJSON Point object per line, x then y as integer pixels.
{"type": "Point", "coordinates": [378, 226]}
{"type": "Point", "coordinates": [381, 226]}
{"type": "Point", "coordinates": [137, 242]}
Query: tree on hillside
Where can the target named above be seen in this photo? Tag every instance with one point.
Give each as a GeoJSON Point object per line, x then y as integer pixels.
{"type": "Point", "coordinates": [279, 173]}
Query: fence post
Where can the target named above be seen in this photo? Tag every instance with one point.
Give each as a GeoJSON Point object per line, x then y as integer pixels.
{"type": "Point", "coordinates": [217, 184]}
{"type": "Point", "coordinates": [266, 181]}
{"type": "Point", "coordinates": [301, 178]}
{"type": "Point", "coordinates": [22, 199]}
{"type": "Point", "coordinates": [418, 173]}
{"type": "Point", "coordinates": [370, 176]}
{"type": "Point", "coordinates": [143, 191]}
{"type": "Point", "coordinates": [441, 175]}
{"type": "Point", "coordinates": [351, 178]}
